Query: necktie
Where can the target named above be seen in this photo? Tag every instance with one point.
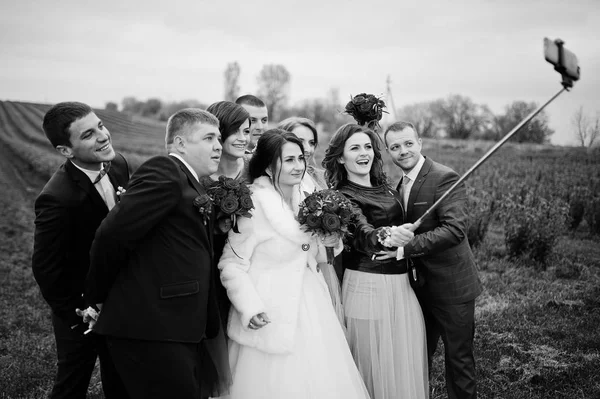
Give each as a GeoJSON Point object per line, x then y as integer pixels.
{"type": "Point", "coordinates": [102, 173]}
{"type": "Point", "coordinates": [405, 190]}
{"type": "Point", "coordinates": [106, 187]}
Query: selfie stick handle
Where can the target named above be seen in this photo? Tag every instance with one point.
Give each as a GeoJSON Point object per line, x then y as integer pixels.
{"type": "Point", "coordinates": [483, 159]}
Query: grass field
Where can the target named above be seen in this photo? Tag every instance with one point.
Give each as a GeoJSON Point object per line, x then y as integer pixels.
{"type": "Point", "coordinates": [537, 324]}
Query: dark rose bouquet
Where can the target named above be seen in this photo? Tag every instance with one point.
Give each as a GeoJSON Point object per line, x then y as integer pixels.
{"type": "Point", "coordinates": [366, 108]}
{"type": "Point", "coordinates": [327, 212]}
{"type": "Point", "coordinates": [232, 200]}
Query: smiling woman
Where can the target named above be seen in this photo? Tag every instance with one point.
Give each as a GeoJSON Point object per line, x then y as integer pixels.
{"type": "Point", "coordinates": [385, 326]}
{"type": "Point", "coordinates": [234, 125]}
{"type": "Point", "coordinates": [286, 341]}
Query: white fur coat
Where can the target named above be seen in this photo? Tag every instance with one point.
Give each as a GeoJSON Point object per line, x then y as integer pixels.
{"type": "Point", "coordinates": [263, 268]}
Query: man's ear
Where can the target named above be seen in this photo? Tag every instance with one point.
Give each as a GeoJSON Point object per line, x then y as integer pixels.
{"type": "Point", "coordinates": [179, 144]}
{"type": "Point", "coordinates": [65, 151]}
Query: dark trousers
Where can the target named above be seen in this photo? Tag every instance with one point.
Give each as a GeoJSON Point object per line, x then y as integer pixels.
{"type": "Point", "coordinates": [455, 324]}
{"type": "Point", "coordinates": [152, 369]}
{"type": "Point", "coordinates": [77, 355]}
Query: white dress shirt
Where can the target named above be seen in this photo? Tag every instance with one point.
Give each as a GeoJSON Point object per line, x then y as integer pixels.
{"type": "Point", "coordinates": [187, 165]}
{"type": "Point", "coordinates": [104, 186]}
{"type": "Point", "coordinates": [412, 176]}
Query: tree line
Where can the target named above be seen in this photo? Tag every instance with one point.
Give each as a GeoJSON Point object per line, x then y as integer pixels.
{"type": "Point", "coordinates": [455, 116]}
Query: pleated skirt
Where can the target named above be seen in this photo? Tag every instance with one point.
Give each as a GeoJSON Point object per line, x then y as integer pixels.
{"type": "Point", "coordinates": [386, 333]}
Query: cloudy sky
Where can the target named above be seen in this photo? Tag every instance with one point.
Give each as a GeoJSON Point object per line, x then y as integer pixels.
{"type": "Point", "coordinates": [488, 50]}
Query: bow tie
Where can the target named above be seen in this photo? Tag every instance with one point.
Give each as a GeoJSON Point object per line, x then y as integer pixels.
{"type": "Point", "coordinates": [103, 172]}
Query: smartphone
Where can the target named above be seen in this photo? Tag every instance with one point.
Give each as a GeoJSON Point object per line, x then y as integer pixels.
{"type": "Point", "coordinates": [564, 61]}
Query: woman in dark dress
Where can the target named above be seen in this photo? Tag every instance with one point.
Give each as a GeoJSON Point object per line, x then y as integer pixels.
{"type": "Point", "coordinates": [384, 322]}
{"type": "Point", "coordinates": [234, 126]}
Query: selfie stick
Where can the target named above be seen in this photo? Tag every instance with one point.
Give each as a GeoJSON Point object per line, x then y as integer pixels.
{"type": "Point", "coordinates": [567, 83]}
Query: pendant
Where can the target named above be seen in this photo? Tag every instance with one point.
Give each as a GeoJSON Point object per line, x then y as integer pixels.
{"type": "Point", "coordinates": [305, 247]}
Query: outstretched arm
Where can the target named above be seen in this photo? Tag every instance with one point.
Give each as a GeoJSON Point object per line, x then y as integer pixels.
{"type": "Point", "coordinates": [451, 221]}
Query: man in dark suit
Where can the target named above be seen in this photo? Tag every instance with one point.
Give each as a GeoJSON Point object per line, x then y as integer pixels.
{"type": "Point", "coordinates": [151, 268]}
{"type": "Point", "coordinates": [68, 211]}
{"type": "Point", "coordinates": [442, 255]}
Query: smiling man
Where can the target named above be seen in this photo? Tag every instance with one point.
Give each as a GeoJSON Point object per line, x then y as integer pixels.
{"type": "Point", "coordinates": [151, 268]}
{"type": "Point", "coordinates": [68, 211]}
{"type": "Point", "coordinates": [441, 253]}
{"type": "Point", "coordinates": [259, 118]}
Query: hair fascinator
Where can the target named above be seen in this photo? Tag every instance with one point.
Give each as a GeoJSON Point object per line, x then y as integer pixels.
{"type": "Point", "coordinates": [366, 109]}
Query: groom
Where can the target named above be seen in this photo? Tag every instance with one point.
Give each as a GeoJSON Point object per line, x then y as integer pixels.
{"type": "Point", "coordinates": [441, 252]}
{"type": "Point", "coordinates": [151, 268]}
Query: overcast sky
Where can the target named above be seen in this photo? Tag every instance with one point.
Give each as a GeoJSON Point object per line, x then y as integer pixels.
{"type": "Point", "coordinates": [490, 51]}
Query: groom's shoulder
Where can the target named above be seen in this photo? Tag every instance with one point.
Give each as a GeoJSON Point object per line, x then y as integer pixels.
{"type": "Point", "coordinates": [440, 168]}
{"type": "Point", "coordinates": [58, 183]}
{"type": "Point", "coordinates": [159, 162]}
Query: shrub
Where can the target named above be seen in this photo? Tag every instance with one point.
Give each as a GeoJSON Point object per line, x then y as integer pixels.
{"type": "Point", "coordinates": [533, 224]}
{"type": "Point", "coordinates": [577, 199]}
{"type": "Point", "coordinates": [481, 211]}
{"type": "Point", "coordinates": [592, 215]}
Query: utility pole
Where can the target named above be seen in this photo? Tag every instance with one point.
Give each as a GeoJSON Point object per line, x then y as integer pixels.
{"type": "Point", "coordinates": [390, 97]}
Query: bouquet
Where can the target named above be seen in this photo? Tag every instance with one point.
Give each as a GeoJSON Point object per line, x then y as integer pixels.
{"type": "Point", "coordinates": [232, 200]}
{"type": "Point", "coordinates": [366, 108]}
{"type": "Point", "coordinates": [327, 212]}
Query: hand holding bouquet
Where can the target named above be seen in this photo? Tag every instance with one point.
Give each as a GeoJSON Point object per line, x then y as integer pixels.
{"type": "Point", "coordinates": [327, 213]}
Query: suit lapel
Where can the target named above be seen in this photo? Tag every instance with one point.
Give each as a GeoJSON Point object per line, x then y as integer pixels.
{"type": "Point", "coordinates": [200, 190]}
{"type": "Point", "coordinates": [416, 187]}
{"type": "Point", "coordinates": [85, 184]}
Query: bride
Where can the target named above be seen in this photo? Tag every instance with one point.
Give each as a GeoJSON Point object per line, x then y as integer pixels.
{"type": "Point", "coordinates": [285, 339]}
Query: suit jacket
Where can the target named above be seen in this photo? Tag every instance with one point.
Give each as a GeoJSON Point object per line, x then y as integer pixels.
{"type": "Point", "coordinates": [440, 248]}
{"type": "Point", "coordinates": [263, 268]}
{"type": "Point", "coordinates": [68, 211]}
{"type": "Point", "coordinates": [151, 260]}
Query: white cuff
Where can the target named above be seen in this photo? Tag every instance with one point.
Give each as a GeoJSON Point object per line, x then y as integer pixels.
{"type": "Point", "coordinates": [400, 253]}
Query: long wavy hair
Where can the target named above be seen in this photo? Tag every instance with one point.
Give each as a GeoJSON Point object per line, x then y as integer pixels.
{"type": "Point", "coordinates": [335, 172]}
{"type": "Point", "coordinates": [268, 153]}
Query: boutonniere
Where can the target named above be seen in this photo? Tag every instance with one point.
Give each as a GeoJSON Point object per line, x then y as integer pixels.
{"type": "Point", "coordinates": [204, 205]}
{"type": "Point", "coordinates": [120, 192]}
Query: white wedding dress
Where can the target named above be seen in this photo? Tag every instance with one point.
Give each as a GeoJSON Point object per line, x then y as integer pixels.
{"type": "Point", "coordinates": [320, 365]}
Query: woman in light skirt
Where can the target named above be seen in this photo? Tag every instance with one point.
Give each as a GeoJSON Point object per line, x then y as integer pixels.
{"type": "Point", "coordinates": [385, 326]}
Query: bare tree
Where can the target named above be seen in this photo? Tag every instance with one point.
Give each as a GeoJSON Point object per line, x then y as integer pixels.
{"type": "Point", "coordinates": [232, 75]}
{"type": "Point", "coordinates": [273, 82]}
{"type": "Point", "coordinates": [535, 131]}
{"type": "Point", "coordinates": [586, 130]}
{"type": "Point", "coordinates": [421, 116]}
{"type": "Point", "coordinates": [461, 117]}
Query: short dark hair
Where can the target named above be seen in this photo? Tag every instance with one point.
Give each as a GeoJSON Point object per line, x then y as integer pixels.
{"type": "Point", "coordinates": [293, 122]}
{"type": "Point", "coordinates": [249, 99]}
{"type": "Point", "coordinates": [59, 118]}
{"type": "Point", "coordinates": [335, 173]}
{"type": "Point", "coordinates": [398, 127]}
{"type": "Point", "coordinates": [268, 152]}
{"type": "Point", "coordinates": [187, 117]}
{"type": "Point", "coordinates": [230, 116]}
